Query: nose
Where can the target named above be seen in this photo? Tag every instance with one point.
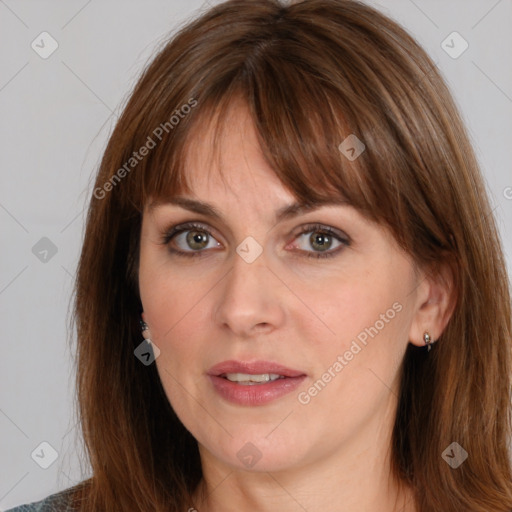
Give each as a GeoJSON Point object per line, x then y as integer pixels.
{"type": "Point", "coordinates": [250, 299]}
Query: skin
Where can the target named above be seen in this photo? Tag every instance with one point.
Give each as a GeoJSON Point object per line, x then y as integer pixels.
{"type": "Point", "coordinates": [284, 307]}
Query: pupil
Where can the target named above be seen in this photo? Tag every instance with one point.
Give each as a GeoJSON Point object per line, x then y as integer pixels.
{"type": "Point", "coordinates": [196, 239]}
{"type": "Point", "coordinates": [321, 241]}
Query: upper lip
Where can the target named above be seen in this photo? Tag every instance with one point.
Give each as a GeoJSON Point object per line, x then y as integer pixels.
{"type": "Point", "coordinates": [253, 368]}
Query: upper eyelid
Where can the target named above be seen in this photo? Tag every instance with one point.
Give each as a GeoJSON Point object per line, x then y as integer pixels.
{"type": "Point", "coordinates": [189, 226]}
{"type": "Point", "coordinates": [180, 227]}
{"type": "Point", "coordinates": [294, 214]}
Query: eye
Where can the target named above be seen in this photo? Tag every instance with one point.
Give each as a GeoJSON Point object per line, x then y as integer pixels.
{"type": "Point", "coordinates": [321, 239]}
{"type": "Point", "coordinates": [191, 239]}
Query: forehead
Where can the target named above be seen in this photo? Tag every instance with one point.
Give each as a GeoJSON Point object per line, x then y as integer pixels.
{"type": "Point", "coordinates": [224, 144]}
{"type": "Point", "coordinates": [224, 165]}
{"type": "Point", "coordinates": [227, 152]}
{"type": "Point", "coordinates": [223, 160]}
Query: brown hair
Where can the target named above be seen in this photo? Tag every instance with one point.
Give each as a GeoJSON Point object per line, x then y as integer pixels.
{"type": "Point", "coordinates": [311, 73]}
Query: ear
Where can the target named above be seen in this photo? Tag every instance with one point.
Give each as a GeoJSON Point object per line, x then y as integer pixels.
{"type": "Point", "coordinates": [436, 300]}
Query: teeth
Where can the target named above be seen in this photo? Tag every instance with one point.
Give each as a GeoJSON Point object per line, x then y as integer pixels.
{"type": "Point", "coordinates": [248, 380]}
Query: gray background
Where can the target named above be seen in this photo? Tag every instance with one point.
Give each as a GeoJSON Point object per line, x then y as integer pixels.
{"type": "Point", "coordinates": [56, 115]}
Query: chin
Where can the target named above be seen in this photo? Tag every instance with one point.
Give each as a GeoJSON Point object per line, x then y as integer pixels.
{"type": "Point", "coordinates": [256, 453]}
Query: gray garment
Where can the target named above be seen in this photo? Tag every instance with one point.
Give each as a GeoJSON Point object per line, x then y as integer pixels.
{"type": "Point", "coordinates": [55, 503]}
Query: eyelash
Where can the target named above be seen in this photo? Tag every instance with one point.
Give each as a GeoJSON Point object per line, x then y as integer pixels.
{"type": "Point", "coordinates": [310, 228]}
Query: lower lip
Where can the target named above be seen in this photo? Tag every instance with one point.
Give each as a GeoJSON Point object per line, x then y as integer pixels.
{"type": "Point", "coordinates": [255, 394]}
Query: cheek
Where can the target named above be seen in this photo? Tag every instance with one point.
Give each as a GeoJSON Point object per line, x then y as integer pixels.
{"type": "Point", "coordinates": [360, 362]}
{"type": "Point", "coordinates": [178, 310]}
{"type": "Point", "coordinates": [355, 306]}
{"type": "Point", "coordinates": [365, 321]}
{"type": "Point", "coordinates": [167, 295]}
{"type": "Point", "coordinates": [180, 329]}
{"type": "Point", "coordinates": [179, 319]}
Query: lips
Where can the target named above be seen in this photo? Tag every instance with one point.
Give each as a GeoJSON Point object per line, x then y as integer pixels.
{"type": "Point", "coordinates": [236, 388]}
{"type": "Point", "coordinates": [253, 368]}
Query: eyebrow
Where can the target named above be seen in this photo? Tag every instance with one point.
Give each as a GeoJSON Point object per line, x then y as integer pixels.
{"type": "Point", "coordinates": [285, 212]}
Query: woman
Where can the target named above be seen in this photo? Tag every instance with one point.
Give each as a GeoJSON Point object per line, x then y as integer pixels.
{"type": "Point", "coordinates": [290, 213]}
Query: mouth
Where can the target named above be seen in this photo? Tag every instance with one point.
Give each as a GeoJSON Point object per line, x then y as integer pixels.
{"type": "Point", "coordinates": [253, 383]}
{"type": "Point", "coordinates": [246, 379]}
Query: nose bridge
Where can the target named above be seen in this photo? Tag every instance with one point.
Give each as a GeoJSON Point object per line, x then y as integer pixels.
{"type": "Point", "coordinates": [249, 295]}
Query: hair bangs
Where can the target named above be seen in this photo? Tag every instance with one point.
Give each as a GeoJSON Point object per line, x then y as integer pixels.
{"type": "Point", "coordinates": [315, 148]}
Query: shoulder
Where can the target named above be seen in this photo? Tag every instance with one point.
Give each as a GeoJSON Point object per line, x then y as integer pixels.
{"type": "Point", "coordinates": [58, 502]}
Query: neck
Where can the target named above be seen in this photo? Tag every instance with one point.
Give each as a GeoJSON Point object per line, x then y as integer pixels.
{"type": "Point", "coordinates": [237, 490]}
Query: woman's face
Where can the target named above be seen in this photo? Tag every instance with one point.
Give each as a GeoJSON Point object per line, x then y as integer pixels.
{"type": "Point", "coordinates": [249, 297]}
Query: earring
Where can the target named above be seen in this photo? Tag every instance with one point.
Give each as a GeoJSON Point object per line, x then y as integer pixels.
{"type": "Point", "coordinates": [145, 331]}
{"type": "Point", "coordinates": [428, 341]}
